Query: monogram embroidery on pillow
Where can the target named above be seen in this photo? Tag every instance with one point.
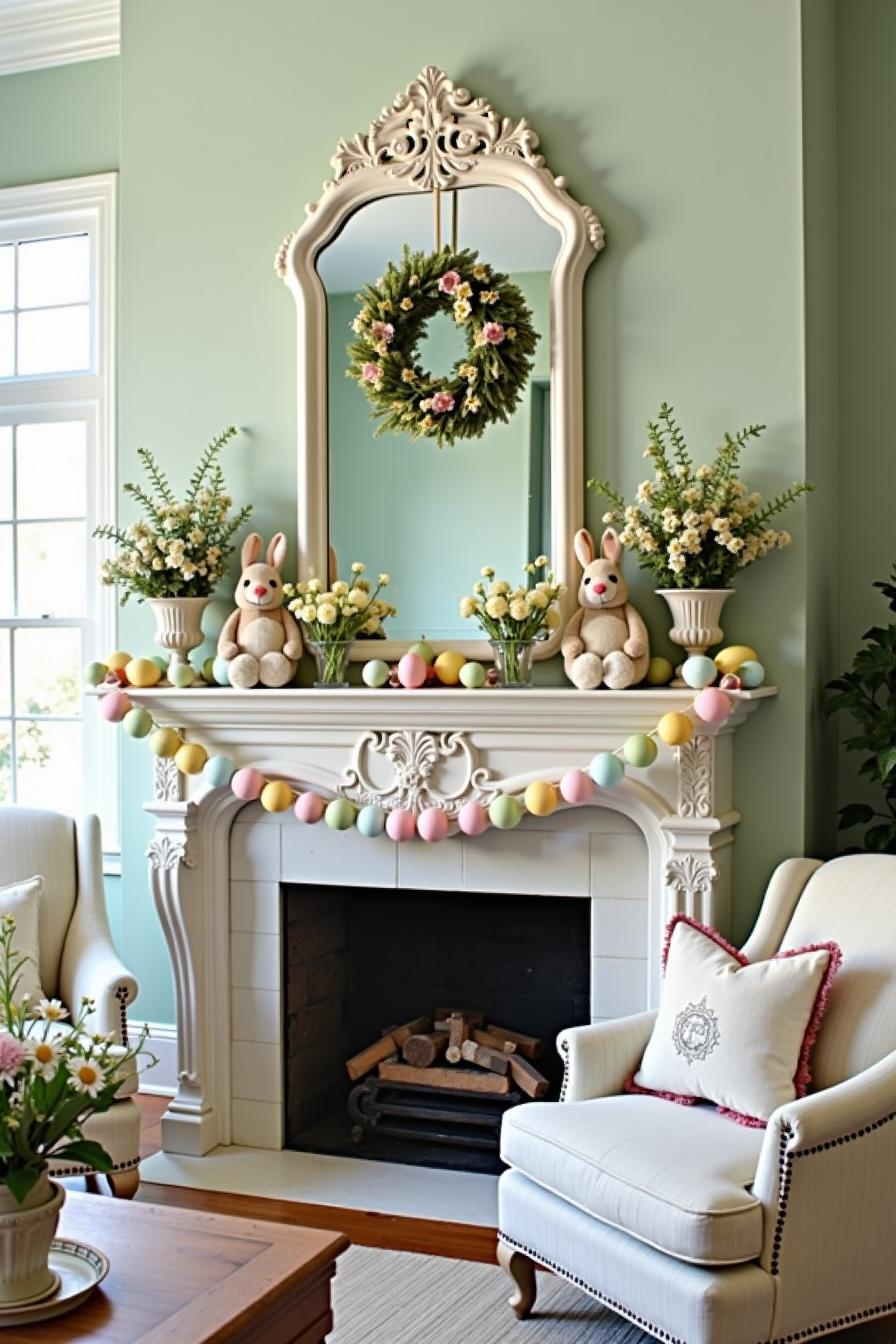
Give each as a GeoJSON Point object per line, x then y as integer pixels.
{"type": "Point", "coordinates": [696, 1032]}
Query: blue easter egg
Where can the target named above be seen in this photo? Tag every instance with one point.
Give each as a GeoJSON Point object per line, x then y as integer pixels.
{"type": "Point", "coordinates": [218, 771]}
{"type": "Point", "coordinates": [751, 675]}
{"type": "Point", "coordinates": [699, 671]}
{"type": "Point", "coordinates": [221, 672]}
{"type": "Point", "coordinates": [371, 822]}
{"type": "Point", "coordinates": [606, 770]}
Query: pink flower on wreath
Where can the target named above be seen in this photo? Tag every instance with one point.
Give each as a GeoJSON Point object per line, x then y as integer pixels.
{"type": "Point", "coordinates": [442, 402]}
{"type": "Point", "coordinates": [449, 282]}
{"type": "Point", "coordinates": [12, 1057]}
{"type": "Point", "coordinates": [493, 333]}
{"type": "Point", "coordinates": [370, 373]}
{"type": "Point", "coordinates": [382, 331]}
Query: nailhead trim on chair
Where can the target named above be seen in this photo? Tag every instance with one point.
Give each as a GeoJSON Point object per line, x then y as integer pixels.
{"type": "Point", "coordinates": [122, 994]}
{"type": "Point", "coordinates": [83, 1170]}
{"type": "Point", "coordinates": [618, 1307]}
{"type": "Point", "coordinates": [564, 1050]}
{"type": "Point", "coordinates": [854, 1318]}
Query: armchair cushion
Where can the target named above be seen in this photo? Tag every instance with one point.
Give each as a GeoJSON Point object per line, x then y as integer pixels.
{"type": "Point", "coordinates": [21, 900]}
{"type": "Point", "coordinates": [36, 841]}
{"type": "Point", "coordinates": [676, 1178]}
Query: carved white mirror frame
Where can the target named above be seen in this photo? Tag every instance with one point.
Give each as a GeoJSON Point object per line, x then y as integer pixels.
{"type": "Point", "coordinates": [437, 135]}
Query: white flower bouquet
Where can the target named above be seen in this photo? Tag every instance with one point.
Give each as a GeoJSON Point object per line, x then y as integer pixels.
{"type": "Point", "coordinates": [695, 527]}
{"type": "Point", "coordinates": [181, 547]}
{"type": "Point", "coordinates": [342, 611]}
{"type": "Point", "coordinates": [521, 613]}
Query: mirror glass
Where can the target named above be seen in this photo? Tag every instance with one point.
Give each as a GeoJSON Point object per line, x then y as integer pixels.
{"type": "Point", "coordinates": [432, 517]}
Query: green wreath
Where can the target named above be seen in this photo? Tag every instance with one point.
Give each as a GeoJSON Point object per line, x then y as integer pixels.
{"type": "Point", "coordinates": [484, 386]}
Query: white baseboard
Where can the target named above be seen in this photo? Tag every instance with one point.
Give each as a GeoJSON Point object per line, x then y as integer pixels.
{"type": "Point", "coordinates": [160, 1081]}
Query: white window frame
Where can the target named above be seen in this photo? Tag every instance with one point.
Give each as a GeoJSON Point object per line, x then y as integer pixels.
{"type": "Point", "coordinates": [80, 205]}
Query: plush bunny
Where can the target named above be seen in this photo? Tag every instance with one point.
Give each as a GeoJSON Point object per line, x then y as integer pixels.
{"type": "Point", "coordinates": [606, 641]}
{"type": "Point", "coordinates": [261, 640]}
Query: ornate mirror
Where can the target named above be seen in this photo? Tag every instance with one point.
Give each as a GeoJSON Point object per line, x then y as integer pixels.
{"type": "Point", "coordinates": [439, 169]}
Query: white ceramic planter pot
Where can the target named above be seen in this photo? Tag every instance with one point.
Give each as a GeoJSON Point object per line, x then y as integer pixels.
{"type": "Point", "coordinates": [26, 1231]}
{"type": "Point", "coordinates": [695, 616]}
{"type": "Point", "coordinates": [178, 624]}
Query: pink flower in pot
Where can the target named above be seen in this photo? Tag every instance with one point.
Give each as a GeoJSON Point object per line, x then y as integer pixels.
{"type": "Point", "coordinates": [449, 282]}
{"type": "Point", "coordinates": [12, 1057]}
{"type": "Point", "coordinates": [442, 402]}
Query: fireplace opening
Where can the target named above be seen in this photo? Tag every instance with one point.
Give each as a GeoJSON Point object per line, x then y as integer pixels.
{"type": "Point", "coordinates": [358, 961]}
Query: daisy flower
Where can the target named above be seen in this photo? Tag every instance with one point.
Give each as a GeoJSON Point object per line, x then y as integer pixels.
{"type": "Point", "coordinates": [86, 1076]}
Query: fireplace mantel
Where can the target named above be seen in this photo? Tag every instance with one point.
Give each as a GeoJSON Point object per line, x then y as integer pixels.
{"type": "Point", "coordinates": [412, 749]}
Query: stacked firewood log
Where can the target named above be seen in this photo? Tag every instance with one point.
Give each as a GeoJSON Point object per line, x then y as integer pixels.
{"type": "Point", "coordinates": [455, 1048]}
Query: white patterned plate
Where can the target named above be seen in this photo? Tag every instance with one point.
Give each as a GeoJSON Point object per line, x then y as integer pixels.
{"type": "Point", "coordinates": [79, 1269]}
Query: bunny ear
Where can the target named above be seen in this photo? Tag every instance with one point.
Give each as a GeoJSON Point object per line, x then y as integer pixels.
{"type": "Point", "coordinates": [611, 546]}
{"type": "Point", "coordinates": [277, 551]}
{"type": "Point", "coordinates": [583, 547]}
{"type": "Point", "coordinates": [251, 549]}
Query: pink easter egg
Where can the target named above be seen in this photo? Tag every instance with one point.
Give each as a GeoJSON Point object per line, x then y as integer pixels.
{"type": "Point", "coordinates": [472, 818]}
{"type": "Point", "coordinates": [114, 705]}
{"type": "Point", "coordinates": [401, 824]}
{"type": "Point", "coordinates": [309, 807]}
{"type": "Point", "coordinates": [730, 682]}
{"type": "Point", "coordinates": [411, 671]}
{"type": "Point", "coordinates": [712, 705]}
{"type": "Point", "coordinates": [247, 784]}
{"type": "Point", "coordinates": [576, 787]}
{"type": "Point", "coordinates": [432, 825]}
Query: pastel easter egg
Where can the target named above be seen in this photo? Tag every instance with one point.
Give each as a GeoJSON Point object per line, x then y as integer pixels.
{"type": "Point", "coordinates": [712, 705]}
{"type": "Point", "coordinates": [576, 787]}
{"type": "Point", "coordinates": [699, 671]}
{"type": "Point", "coordinates": [401, 825]}
{"type": "Point", "coordinates": [114, 705]}
{"type": "Point", "coordinates": [675, 729]}
{"type": "Point", "coordinates": [117, 662]}
{"type": "Point", "coordinates": [221, 672]}
{"type": "Point", "coordinates": [540, 798]}
{"type": "Point", "coordinates": [375, 673]}
{"type": "Point", "coordinates": [137, 722]}
{"type": "Point", "coordinates": [182, 676]}
{"type": "Point", "coordinates": [472, 675]}
{"type": "Point", "coordinates": [165, 743]}
{"type": "Point", "coordinates": [659, 672]}
{"type": "Point", "coordinates": [340, 814]}
{"type": "Point", "coordinates": [448, 666]}
{"type": "Point", "coordinates": [472, 818]}
{"type": "Point", "coordinates": [310, 807]}
{"type": "Point", "coordinates": [423, 650]}
{"type": "Point", "coordinates": [505, 812]}
{"type": "Point", "coordinates": [432, 825]}
{"type": "Point", "coordinates": [730, 682]}
{"type": "Point", "coordinates": [190, 759]}
{"type": "Point", "coordinates": [371, 821]}
{"type": "Point", "coordinates": [606, 770]}
{"type": "Point", "coordinates": [639, 750]}
{"type": "Point", "coordinates": [161, 662]}
{"type": "Point", "coordinates": [218, 771]}
{"type": "Point", "coordinates": [95, 673]}
{"type": "Point", "coordinates": [730, 659]}
{"type": "Point", "coordinates": [752, 674]}
{"type": "Point", "coordinates": [142, 672]}
{"type": "Point", "coordinates": [276, 796]}
{"type": "Point", "coordinates": [208, 670]}
{"type": "Point", "coordinates": [247, 784]}
{"type": "Point", "coordinates": [411, 671]}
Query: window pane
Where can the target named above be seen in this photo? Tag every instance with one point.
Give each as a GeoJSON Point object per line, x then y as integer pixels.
{"type": "Point", "coordinates": [51, 471]}
{"type": "Point", "coordinates": [5, 764]}
{"type": "Point", "coordinates": [52, 569]}
{"type": "Point", "coordinates": [47, 665]}
{"type": "Point", "coordinates": [7, 587]}
{"type": "Point", "coordinates": [54, 270]}
{"type": "Point", "coordinates": [48, 772]}
{"type": "Point", "coordinates": [5, 702]}
{"type": "Point", "coordinates": [7, 345]}
{"type": "Point", "coordinates": [7, 276]}
{"type": "Point", "coordinates": [5, 471]}
{"type": "Point", "coordinates": [54, 340]}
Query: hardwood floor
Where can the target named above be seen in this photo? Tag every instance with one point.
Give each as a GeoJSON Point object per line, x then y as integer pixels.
{"type": "Point", "coordinates": [460, 1241]}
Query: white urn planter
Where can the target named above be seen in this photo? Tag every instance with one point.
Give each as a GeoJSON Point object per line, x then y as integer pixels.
{"type": "Point", "coordinates": [178, 625]}
{"type": "Point", "coordinates": [695, 616]}
{"type": "Point", "coordinates": [26, 1232]}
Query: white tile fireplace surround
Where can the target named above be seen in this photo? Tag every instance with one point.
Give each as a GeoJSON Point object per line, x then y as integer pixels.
{"type": "Point", "coordinates": [659, 843]}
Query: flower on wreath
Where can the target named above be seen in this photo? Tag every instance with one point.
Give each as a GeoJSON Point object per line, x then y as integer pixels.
{"type": "Point", "coordinates": [442, 402]}
{"type": "Point", "coordinates": [383, 332]}
{"type": "Point", "coordinates": [489, 296]}
{"type": "Point", "coordinates": [479, 272]}
{"type": "Point", "coordinates": [371, 372]}
{"type": "Point", "coordinates": [492, 333]}
{"type": "Point", "coordinates": [408, 376]}
{"type": "Point", "coordinates": [462, 310]}
{"type": "Point", "coordinates": [449, 282]}
{"type": "Point", "coordinates": [464, 291]}
{"type": "Point", "coordinates": [406, 304]}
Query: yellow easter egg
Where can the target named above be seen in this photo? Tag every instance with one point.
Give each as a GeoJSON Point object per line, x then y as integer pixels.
{"type": "Point", "coordinates": [675, 729]}
{"type": "Point", "coordinates": [276, 796]}
{"type": "Point", "coordinates": [116, 661]}
{"type": "Point", "coordinates": [447, 667]}
{"type": "Point", "coordinates": [142, 672]}
{"type": "Point", "coordinates": [165, 742]}
{"type": "Point", "coordinates": [191, 758]}
{"type": "Point", "coordinates": [730, 659]}
{"type": "Point", "coordinates": [540, 798]}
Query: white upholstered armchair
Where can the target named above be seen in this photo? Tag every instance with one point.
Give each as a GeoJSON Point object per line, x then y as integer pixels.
{"type": "Point", "coordinates": [698, 1229]}
{"type": "Point", "coordinates": [77, 956]}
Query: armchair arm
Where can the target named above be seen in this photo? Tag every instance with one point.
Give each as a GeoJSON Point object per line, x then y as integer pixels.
{"type": "Point", "coordinates": [598, 1059]}
{"type": "Point", "coordinates": [827, 1180]}
{"type": "Point", "coordinates": [90, 965]}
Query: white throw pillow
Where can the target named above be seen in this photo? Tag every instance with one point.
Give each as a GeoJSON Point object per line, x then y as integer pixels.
{"type": "Point", "coordinates": [731, 1032]}
{"type": "Point", "coordinates": [22, 901]}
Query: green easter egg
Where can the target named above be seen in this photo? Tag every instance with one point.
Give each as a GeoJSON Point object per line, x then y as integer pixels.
{"type": "Point", "coordinates": [340, 814]}
{"type": "Point", "coordinates": [424, 651]}
{"type": "Point", "coordinates": [472, 675]}
{"type": "Point", "coordinates": [137, 722]}
{"type": "Point", "coordinates": [371, 821]}
{"type": "Point", "coordinates": [659, 671]}
{"type": "Point", "coordinates": [375, 673]}
{"type": "Point", "coordinates": [606, 770]}
{"type": "Point", "coordinates": [182, 676]}
{"type": "Point", "coordinates": [160, 662]}
{"type": "Point", "coordinates": [505, 812]}
{"type": "Point", "coordinates": [640, 750]}
{"type": "Point", "coordinates": [208, 670]}
{"type": "Point", "coordinates": [95, 673]}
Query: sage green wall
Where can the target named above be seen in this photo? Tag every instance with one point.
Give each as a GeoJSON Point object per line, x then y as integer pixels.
{"type": "Point", "coordinates": [61, 122]}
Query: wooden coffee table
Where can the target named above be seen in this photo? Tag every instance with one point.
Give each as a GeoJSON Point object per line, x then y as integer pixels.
{"type": "Point", "coordinates": [182, 1277]}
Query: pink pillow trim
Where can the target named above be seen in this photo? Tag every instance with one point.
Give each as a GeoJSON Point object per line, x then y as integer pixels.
{"type": "Point", "coordinates": [802, 1080]}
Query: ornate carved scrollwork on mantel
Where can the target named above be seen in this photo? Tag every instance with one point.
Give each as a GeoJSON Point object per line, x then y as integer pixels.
{"type": "Point", "coordinates": [690, 878]}
{"type": "Point", "coordinates": [696, 770]}
{"type": "Point", "coordinates": [172, 848]}
{"type": "Point", "coordinates": [418, 771]}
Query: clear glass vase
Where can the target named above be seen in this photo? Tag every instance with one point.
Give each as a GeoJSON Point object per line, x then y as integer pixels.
{"type": "Point", "coordinates": [331, 658]}
{"type": "Point", "coordinates": [513, 662]}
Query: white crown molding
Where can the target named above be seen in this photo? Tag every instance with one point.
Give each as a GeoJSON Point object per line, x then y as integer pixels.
{"type": "Point", "coordinates": [35, 34]}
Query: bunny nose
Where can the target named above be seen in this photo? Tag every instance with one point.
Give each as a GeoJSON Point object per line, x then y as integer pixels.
{"type": "Point", "coordinates": [260, 590]}
{"type": "Point", "coordinates": [600, 587]}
